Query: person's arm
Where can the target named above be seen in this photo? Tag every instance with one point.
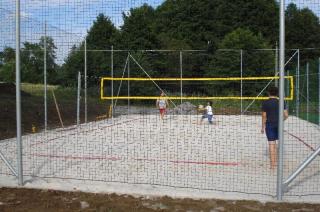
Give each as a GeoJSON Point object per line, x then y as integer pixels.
{"type": "Point", "coordinates": [285, 114]}
{"type": "Point", "coordinates": [264, 120]}
{"type": "Point", "coordinates": [167, 104]}
{"type": "Point", "coordinates": [157, 103]}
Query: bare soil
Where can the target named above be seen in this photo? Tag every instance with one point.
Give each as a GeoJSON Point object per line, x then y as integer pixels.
{"type": "Point", "coordinates": [32, 108]}
{"type": "Point", "coordinates": [12, 199]}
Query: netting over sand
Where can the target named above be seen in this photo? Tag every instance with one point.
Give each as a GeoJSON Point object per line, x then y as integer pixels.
{"type": "Point", "coordinates": [230, 155]}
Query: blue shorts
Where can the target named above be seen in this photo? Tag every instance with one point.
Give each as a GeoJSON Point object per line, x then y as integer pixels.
{"type": "Point", "coordinates": [272, 132]}
{"type": "Point", "coordinates": [209, 117]}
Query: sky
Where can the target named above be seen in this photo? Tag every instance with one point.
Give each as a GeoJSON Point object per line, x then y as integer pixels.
{"type": "Point", "coordinates": [68, 20]}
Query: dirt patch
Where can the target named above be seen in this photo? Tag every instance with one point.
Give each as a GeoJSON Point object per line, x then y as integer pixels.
{"type": "Point", "coordinates": [47, 200]}
{"type": "Point", "coordinates": [32, 107]}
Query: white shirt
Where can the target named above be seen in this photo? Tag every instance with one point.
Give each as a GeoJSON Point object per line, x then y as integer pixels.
{"type": "Point", "coordinates": [162, 103]}
{"type": "Point", "coordinates": [209, 110]}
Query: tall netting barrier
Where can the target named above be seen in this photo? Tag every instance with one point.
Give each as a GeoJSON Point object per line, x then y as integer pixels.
{"type": "Point", "coordinates": [7, 90]}
{"type": "Point", "coordinates": [157, 92]}
{"type": "Point", "coordinates": [302, 62]}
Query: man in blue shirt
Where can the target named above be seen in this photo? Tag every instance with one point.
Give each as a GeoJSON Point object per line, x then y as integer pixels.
{"type": "Point", "coordinates": [270, 119]}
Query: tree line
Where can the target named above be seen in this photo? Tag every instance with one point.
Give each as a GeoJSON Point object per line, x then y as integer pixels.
{"type": "Point", "coordinates": [211, 26]}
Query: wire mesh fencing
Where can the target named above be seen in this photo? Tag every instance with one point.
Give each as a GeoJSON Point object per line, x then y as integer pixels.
{"type": "Point", "coordinates": [123, 91]}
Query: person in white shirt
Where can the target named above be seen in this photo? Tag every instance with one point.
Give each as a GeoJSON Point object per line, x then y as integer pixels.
{"type": "Point", "coordinates": [162, 104]}
{"type": "Point", "coordinates": [208, 114]}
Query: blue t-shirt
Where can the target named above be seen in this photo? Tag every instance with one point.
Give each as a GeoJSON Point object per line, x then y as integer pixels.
{"type": "Point", "coordinates": [271, 107]}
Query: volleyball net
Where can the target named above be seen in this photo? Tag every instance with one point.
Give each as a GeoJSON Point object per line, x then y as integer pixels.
{"type": "Point", "coordinates": [208, 83]}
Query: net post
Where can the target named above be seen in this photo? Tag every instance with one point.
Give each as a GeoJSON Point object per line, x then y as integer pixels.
{"type": "Point", "coordinates": [45, 78]}
{"type": "Point", "coordinates": [128, 83]}
{"type": "Point", "coordinates": [18, 96]}
{"type": "Point", "coordinates": [85, 82]}
{"type": "Point", "coordinates": [287, 89]}
{"type": "Point", "coordinates": [281, 102]}
{"type": "Point", "coordinates": [112, 84]}
{"type": "Point", "coordinates": [319, 92]}
{"type": "Point", "coordinates": [298, 86]}
{"type": "Point", "coordinates": [307, 91]}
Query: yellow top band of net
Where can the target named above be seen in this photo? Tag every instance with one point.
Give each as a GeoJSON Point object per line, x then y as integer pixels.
{"type": "Point", "coordinates": [290, 78]}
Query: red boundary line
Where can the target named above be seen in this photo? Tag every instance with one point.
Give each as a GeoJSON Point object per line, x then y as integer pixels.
{"type": "Point", "coordinates": [209, 163]}
{"type": "Point", "coordinates": [113, 158]}
{"type": "Point", "coordinates": [302, 141]}
{"type": "Point", "coordinates": [66, 157]}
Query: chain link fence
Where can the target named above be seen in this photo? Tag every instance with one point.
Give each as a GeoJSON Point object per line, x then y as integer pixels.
{"type": "Point", "coordinates": [92, 73]}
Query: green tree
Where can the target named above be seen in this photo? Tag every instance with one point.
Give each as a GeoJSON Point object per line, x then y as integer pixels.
{"type": "Point", "coordinates": [32, 61]}
{"type": "Point", "coordinates": [302, 31]}
{"type": "Point", "coordinates": [202, 24]}
{"type": "Point", "coordinates": [137, 30]}
{"type": "Point", "coordinates": [7, 65]}
{"type": "Point", "coordinates": [52, 67]}
{"type": "Point", "coordinates": [101, 36]}
{"type": "Point", "coordinates": [256, 62]}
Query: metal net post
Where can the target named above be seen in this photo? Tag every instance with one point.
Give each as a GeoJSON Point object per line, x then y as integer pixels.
{"type": "Point", "coordinates": [128, 67]}
{"type": "Point", "coordinates": [298, 85]}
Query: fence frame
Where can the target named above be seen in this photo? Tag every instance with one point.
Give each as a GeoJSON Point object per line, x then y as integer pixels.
{"type": "Point", "coordinates": [280, 183]}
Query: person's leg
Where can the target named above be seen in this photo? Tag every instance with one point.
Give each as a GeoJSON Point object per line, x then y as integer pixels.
{"type": "Point", "coordinates": [203, 117]}
{"type": "Point", "coordinates": [272, 135]}
{"type": "Point", "coordinates": [210, 119]}
{"type": "Point", "coordinates": [163, 112]}
{"type": "Point", "coordinates": [273, 154]}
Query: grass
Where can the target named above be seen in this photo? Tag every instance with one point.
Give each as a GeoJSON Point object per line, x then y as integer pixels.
{"type": "Point", "coordinates": [313, 111]}
{"type": "Point", "coordinates": [313, 117]}
{"type": "Point", "coordinates": [36, 89]}
{"type": "Point", "coordinates": [64, 94]}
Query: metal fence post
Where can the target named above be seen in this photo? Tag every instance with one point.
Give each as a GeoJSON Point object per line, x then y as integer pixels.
{"type": "Point", "coordinates": [181, 75]}
{"type": "Point", "coordinates": [78, 98]}
{"type": "Point", "coordinates": [281, 102]}
{"type": "Point", "coordinates": [45, 78]}
{"type": "Point", "coordinates": [241, 74]}
{"type": "Point", "coordinates": [85, 82]}
{"type": "Point", "coordinates": [302, 166]}
{"type": "Point", "coordinates": [18, 96]}
{"type": "Point", "coordinates": [276, 64]}
{"type": "Point", "coordinates": [307, 91]}
{"type": "Point", "coordinates": [319, 92]}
